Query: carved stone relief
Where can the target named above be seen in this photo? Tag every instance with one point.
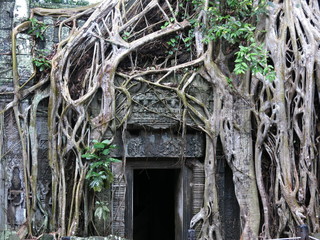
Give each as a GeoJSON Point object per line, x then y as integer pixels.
{"type": "Point", "coordinates": [14, 184]}
{"type": "Point", "coordinates": [142, 143]}
{"type": "Point", "coordinates": [43, 213]}
{"type": "Point", "coordinates": [118, 192]}
{"type": "Point", "coordinates": [156, 109]}
{"type": "Point", "coordinates": [162, 108]}
{"type": "Point", "coordinates": [16, 209]}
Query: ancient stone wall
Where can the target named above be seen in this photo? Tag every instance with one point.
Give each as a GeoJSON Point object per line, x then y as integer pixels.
{"type": "Point", "coordinates": [12, 194]}
{"type": "Point", "coordinates": [12, 200]}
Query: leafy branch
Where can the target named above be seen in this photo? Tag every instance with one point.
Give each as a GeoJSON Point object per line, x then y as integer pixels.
{"type": "Point", "coordinates": [102, 210]}
{"type": "Point", "coordinates": [255, 58]}
{"type": "Point", "coordinates": [41, 61]}
{"type": "Point", "coordinates": [99, 174]}
{"type": "Point", "coordinates": [37, 28]}
{"type": "Point", "coordinates": [235, 25]}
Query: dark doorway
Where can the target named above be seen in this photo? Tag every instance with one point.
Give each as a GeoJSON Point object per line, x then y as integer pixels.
{"type": "Point", "coordinates": [154, 204]}
{"type": "Point", "coordinates": [231, 207]}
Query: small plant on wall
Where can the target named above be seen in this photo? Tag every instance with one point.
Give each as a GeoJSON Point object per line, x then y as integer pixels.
{"type": "Point", "coordinates": [99, 174]}
{"type": "Point", "coordinates": [37, 28]}
{"type": "Point", "coordinates": [42, 61]}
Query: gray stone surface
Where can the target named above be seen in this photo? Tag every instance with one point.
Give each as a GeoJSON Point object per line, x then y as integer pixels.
{"type": "Point", "coordinates": [6, 15]}
{"type": "Point", "coordinates": [64, 33]}
{"type": "Point", "coordinates": [49, 33]}
{"type": "Point", "coordinates": [5, 41]}
{"type": "Point", "coordinates": [20, 11]}
{"type": "Point", "coordinates": [44, 176]}
{"type": "Point", "coordinates": [5, 67]}
{"type": "Point", "coordinates": [6, 8]}
{"type": "Point", "coordinates": [16, 213]}
{"type": "Point", "coordinates": [24, 44]}
{"type": "Point", "coordinates": [25, 66]}
{"type": "Point", "coordinates": [8, 235]}
{"type": "Point", "coordinates": [141, 143]}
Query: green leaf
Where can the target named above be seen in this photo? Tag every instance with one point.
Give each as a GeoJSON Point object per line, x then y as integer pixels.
{"type": "Point", "coordinates": [166, 24]}
{"type": "Point", "coordinates": [96, 164]}
{"type": "Point", "coordinates": [103, 177]}
{"type": "Point", "coordinates": [244, 65]}
{"type": "Point", "coordinates": [106, 165]}
{"type": "Point", "coordinates": [114, 160]}
{"type": "Point", "coordinates": [99, 145]}
{"type": "Point", "coordinates": [106, 152]}
{"type": "Point", "coordinates": [106, 141]}
{"type": "Point", "coordinates": [98, 213]}
{"type": "Point", "coordinates": [102, 211]}
{"type": "Point", "coordinates": [91, 174]}
{"type": "Point", "coordinates": [96, 184]}
{"type": "Point", "coordinates": [187, 39]}
{"type": "Point", "coordinates": [97, 188]}
{"type": "Point", "coordinates": [89, 156]}
{"type": "Point", "coordinates": [99, 174]}
{"type": "Point", "coordinates": [105, 208]}
{"type": "Point", "coordinates": [112, 147]}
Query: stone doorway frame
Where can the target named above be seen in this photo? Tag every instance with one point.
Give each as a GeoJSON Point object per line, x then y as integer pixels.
{"type": "Point", "coordinates": [159, 163]}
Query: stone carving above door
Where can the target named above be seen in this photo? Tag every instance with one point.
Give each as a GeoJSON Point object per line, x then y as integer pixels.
{"type": "Point", "coordinates": [160, 108]}
{"type": "Point", "coordinates": [143, 143]}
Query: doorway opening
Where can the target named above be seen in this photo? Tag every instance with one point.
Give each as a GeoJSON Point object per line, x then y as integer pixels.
{"type": "Point", "coordinates": [231, 207]}
{"type": "Point", "coordinates": [155, 194]}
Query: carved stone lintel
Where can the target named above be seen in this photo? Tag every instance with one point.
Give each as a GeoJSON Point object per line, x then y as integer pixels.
{"type": "Point", "coordinates": [161, 144]}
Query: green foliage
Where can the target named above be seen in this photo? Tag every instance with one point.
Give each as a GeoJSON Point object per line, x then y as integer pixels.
{"type": "Point", "coordinates": [125, 36]}
{"type": "Point", "coordinates": [197, 3]}
{"type": "Point", "coordinates": [184, 39]}
{"type": "Point", "coordinates": [232, 31]}
{"type": "Point", "coordinates": [188, 39]}
{"type": "Point", "coordinates": [41, 61]}
{"type": "Point", "coordinates": [37, 28]}
{"type": "Point", "coordinates": [166, 24]}
{"type": "Point", "coordinates": [79, 2]}
{"type": "Point", "coordinates": [233, 22]}
{"type": "Point", "coordinates": [102, 210]}
{"type": "Point", "coordinates": [99, 174]}
{"type": "Point", "coordinates": [174, 44]}
{"type": "Point", "coordinates": [229, 81]}
{"type": "Point", "coordinates": [254, 56]}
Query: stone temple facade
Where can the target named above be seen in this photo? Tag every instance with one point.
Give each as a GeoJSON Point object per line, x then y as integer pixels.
{"type": "Point", "coordinates": [160, 192]}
